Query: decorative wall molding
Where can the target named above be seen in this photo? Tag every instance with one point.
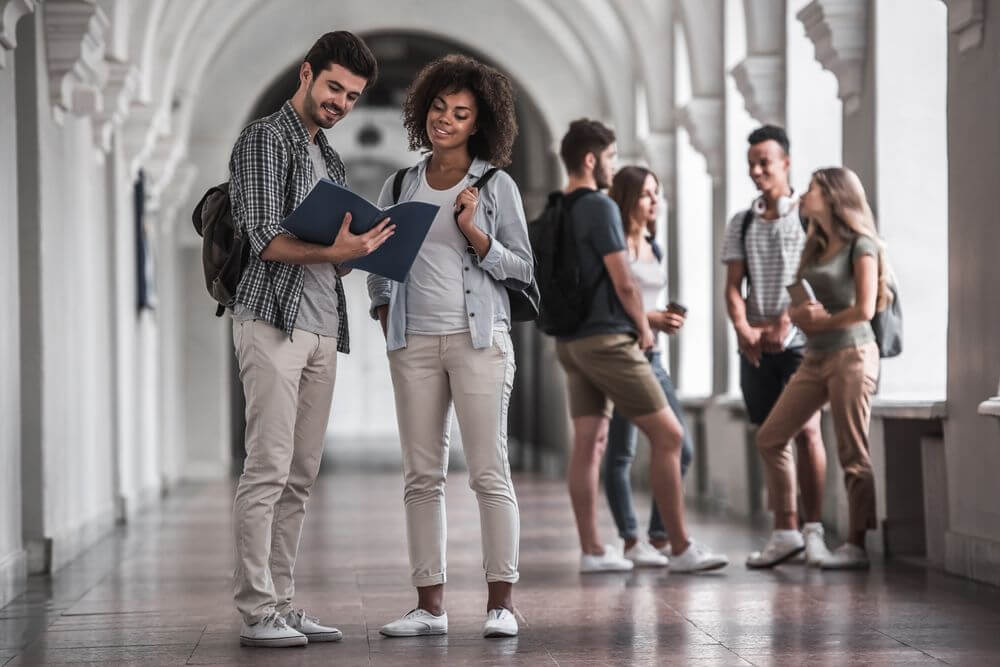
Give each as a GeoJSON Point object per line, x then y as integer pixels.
{"type": "Point", "coordinates": [74, 37]}
{"type": "Point", "coordinates": [839, 31]}
{"type": "Point", "coordinates": [991, 406]}
{"type": "Point", "coordinates": [761, 81]}
{"type": "Point", "coordinates": [965, 21]}
{"type": "Point", "coordinates": [11, 12]}
{"type": "Point", "coordinates": [704, 120]}
{"type": "Point", "coordinates": [123, 82]}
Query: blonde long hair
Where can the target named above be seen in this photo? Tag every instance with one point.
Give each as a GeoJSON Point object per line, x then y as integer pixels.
{"type": "Point", "coordinates": [852, 217]}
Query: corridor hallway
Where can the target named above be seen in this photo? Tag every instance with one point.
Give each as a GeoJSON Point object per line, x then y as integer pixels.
{"type": "Point", "coordinates": [157, 592]}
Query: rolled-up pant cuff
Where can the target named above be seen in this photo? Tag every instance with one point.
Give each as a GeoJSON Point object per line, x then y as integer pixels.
{"type": "Point", "coordinates": [509, 578]}
{"type": "Point", "coordinates": [429, 580]}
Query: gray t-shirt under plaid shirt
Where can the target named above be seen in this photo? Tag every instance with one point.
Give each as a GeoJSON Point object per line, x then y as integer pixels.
{"type": "Point", "coordinates": [773, 251]}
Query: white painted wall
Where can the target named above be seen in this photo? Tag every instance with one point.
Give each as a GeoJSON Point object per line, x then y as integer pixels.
{"type": "Point", "coordinates": [12, 557]}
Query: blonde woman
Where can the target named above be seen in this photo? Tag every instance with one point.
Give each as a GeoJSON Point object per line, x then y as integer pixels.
{"type": "Point", "coordinates": [844, 264]}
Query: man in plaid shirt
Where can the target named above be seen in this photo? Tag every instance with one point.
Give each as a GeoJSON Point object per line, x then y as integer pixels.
{"type": "Point", "coordinates": [289, 323]}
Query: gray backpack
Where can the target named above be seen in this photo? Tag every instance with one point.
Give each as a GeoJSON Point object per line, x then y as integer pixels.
{"type": "Point", "coordinates": [887, 324]}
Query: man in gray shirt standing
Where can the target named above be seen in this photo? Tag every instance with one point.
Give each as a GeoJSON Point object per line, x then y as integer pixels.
{"type": "Point", "coordinates": [289, 323]}
{"type": "Point", "coordinates": [764, 245]}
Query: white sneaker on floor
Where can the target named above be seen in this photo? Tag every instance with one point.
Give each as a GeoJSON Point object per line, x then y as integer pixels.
{"type": "Point", "coordinates": [271, 632]}
{"type": "Point", "coordinates": [416, 623]}
{"type": "Point", "coordinates": [609, 561]}
{"type": "Point", "coordinates": [816, 551]}
{"type": "Point", "coordinates": [697, 558]}
{"type": "Point", "coordinates": [846, 557]}
{"type": "Point", "coordinates": [783, 545]}
{"type": "Point", "coordinates": [644, 554]}
{"type": "Point", "coordinates": [311, 628]}
{"type": "Point", "coordinates": [500, 622]}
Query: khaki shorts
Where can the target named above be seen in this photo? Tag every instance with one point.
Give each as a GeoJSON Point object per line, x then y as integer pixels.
{"type": "Point", "coordinates": [609, 371]}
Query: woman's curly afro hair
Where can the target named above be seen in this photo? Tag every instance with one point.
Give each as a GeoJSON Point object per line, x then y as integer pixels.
{"type": "Point", "coordinates": [494, 95]}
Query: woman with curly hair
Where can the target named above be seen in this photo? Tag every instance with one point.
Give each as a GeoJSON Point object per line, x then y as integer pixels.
{"type": "Point", "coordinates": [447, 329]}
{"type": "Point", "coordinates": [845, 266]}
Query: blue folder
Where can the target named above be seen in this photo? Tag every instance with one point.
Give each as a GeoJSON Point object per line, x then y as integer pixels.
{"type": "Point", "coordinates": [318, 218]}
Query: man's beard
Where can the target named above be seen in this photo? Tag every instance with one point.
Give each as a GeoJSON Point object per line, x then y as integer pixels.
{"type": "Point", "coordinates": [315, 111]}
{"type": "Point", "coordinates": [602, 183]}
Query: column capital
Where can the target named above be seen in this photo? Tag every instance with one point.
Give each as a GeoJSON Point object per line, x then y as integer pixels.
{"type": "Point", "coordinates": [839, 31]}
{"type": "Point", "coordinates": [761, 81]}
{"type": "Point", "coordinates": [704, 120]}
{"type": "Point", "coordinates": [74, 39]}
{"type": "Point", "coordinates": [11, 12]}
{"type": "Point", "coordinates": [660, 151]}
{"type": "Point", "coordinates": [965, 21]}
{"type": "Point", "coordinates": [123, 82]}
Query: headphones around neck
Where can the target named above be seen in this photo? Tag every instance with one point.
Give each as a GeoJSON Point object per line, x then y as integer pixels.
{"type": "Point", "coordinates": [786, 204]}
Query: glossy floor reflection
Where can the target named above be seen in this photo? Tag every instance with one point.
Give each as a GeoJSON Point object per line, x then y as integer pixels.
{"type": "Point", "coordinates": [158, 593]}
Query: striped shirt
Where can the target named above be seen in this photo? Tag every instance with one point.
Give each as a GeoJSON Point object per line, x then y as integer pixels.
{"type": "Point", "coordinates": [270, 174]}
{"type": "Point", "coordinates": [773, 250]}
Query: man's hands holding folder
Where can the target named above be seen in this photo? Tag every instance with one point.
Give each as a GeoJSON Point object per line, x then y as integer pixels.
{"type": "Point", "coordinates": [348, 245]}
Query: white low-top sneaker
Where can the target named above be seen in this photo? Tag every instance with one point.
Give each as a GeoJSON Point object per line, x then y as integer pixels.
{"type": "Point", "coordinates": [643, 554]}
{"type": "Point", "coordinates": [697, 558]}
{"type": "Point", "coordinates": [311, 628]}
{"type": "Point", "coordinates": [816, 551]}
{"type": "Point", "coordinates": [416, 623]}
{"type": "Point", "coordinates": [271, 632]}
{"type": "Point", "coordinates": [609, 561]}
{"type": "Point", "coordinates": [846, 557]}
{"type": "Point", "coordinates": [783, 545]}
{"type": "Point", "coordinates": [500, 622]}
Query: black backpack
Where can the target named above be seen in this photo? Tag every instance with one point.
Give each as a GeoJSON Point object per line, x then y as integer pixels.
{"type": "Point", "coordinates": [225, 252]}
{"type": "Point", "coordinates": [523, 302]}
{"type": "Point", "coordinates": [565, 297]}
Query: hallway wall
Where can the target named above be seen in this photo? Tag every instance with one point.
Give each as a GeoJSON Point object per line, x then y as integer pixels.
{"type": "Point", "coordinates": [972, 440]}
{"type": "Point", "coordinates": [12, 555]}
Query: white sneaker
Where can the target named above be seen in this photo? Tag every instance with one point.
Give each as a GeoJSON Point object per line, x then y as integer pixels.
{"type": "Point", "coordinates": [271, 632]}
{"type": "Point", "coordinates": [644, 554]}
{"type": "Point", "coordinates": [697, 559]}
{"type": "Point", "coordinates": [816, 551]}
{"type": "Point", "coordinates": [846, 557]}
{"type": "Point", "coordinates": [311, 628]}
{"type": "Point", "coordinates": [609, 561]}
{"type": "Point", "coordinates": [500, 622]}
{"type": "Point", "coordinates": [416, 623]}
{"type": "Point", "coordinates": [783, 545]}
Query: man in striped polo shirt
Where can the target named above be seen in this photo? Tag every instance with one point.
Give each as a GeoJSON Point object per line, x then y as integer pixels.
{"type": "Point", "coordinates": [763, 245]}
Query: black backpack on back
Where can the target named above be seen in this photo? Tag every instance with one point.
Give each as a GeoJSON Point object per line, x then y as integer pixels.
{"type": "Point", "coordinates": [523, 302]}
{"type": "Point", "coordinates": [565, 297]}
{"type": "Point", "coordinates": [224, 251]}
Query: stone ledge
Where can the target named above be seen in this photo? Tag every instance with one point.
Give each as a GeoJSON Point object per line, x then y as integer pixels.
{"type": "Point", "coordinates": [890, 408]}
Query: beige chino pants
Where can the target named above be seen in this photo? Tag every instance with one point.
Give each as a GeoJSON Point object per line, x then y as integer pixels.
{"type": "Point", "coordinates": [846, 378]}
{"type": "Point", "coordinates": [288, 383]}
{"type": "Point", "coordinates": [429, 375]}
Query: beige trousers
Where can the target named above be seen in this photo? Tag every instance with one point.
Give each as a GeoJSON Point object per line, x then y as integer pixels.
{"type": "Point", "coordinates": [846, 378]}
{"type": "Point", "coordinates": [288, 384]}
{"type": "Point", "coordinates": [429, 375]}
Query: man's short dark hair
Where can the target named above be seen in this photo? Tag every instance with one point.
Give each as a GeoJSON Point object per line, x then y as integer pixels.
{"type": "Point", "coordinates": [769, 133]}
{"type": "Point", "coordinates": [345, 49]}
{"type": "Point", "coordinates": [584, 136]}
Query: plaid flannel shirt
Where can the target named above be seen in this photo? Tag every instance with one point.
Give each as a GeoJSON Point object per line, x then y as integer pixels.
{"type": "Point", "coordinates": [270, 174]}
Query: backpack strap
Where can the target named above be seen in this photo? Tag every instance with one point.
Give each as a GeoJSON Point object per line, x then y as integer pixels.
{"type": "Point", "coordinates": [744, 228]}
{"type": "Point", "coordinates": [397, 184]}
{"type": "Point", "coordinates": [485, 178]}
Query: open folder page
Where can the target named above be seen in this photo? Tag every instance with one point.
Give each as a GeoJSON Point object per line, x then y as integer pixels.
{"type": "Point", "coordinates": [318, 218]}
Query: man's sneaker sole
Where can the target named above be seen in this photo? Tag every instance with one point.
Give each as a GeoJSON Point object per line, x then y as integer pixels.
{"type": "Point", "coordinates": [325, 636]}
{"type": "Point", "coordinates": [777, 561]}
{"type": "Point", "coordinates": [276, 642]}
{"type": "Point", "coordinates": [496, 634]}
{"type": "Point", "coordinates": [415, 633]}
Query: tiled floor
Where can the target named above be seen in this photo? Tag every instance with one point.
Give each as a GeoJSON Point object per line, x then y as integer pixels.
{"type": "Point", "coordinates": [158, 593]}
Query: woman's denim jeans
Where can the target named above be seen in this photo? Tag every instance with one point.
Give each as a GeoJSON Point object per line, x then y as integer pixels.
{"type": "Point", "coordinates": [621, 451]}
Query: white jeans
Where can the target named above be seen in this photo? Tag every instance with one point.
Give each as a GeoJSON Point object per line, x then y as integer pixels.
{"type": "Point", "coordinates": [429, 375]}
{"type": "Point", "coordinates": [288, 385]}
